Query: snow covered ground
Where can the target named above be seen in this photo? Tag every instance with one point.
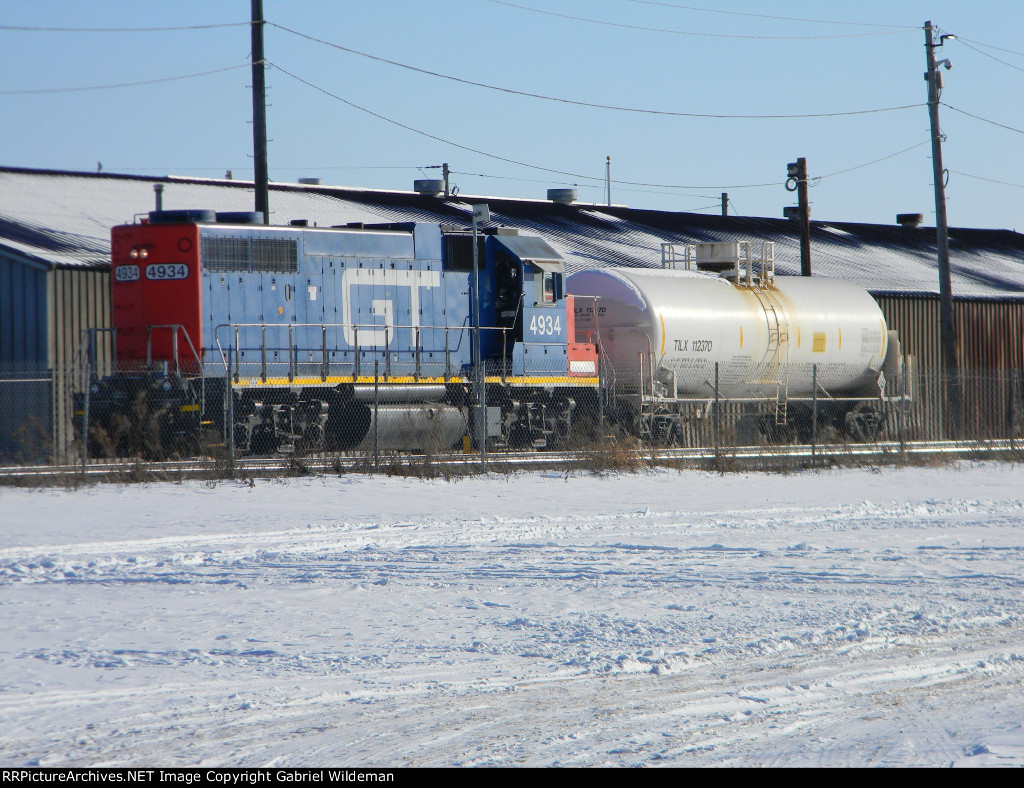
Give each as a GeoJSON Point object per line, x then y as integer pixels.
{"type": "Point", "coordinates": [855, 617]}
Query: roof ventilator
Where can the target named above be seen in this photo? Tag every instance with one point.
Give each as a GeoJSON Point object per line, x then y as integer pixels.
{"type": "Point", "coordinates": [562, 196]}
{"type": "Point", "coordinates": [428, 187]}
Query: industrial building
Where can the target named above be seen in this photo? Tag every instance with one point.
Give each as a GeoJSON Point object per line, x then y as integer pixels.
{"type": "Point", "coordinates": [54, 266]}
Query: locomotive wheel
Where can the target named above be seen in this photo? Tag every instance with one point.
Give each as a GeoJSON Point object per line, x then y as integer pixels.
{"type": "Point", "coordinates": [264, 439]}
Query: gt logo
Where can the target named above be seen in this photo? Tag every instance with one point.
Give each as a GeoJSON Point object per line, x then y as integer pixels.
{"type": "Point", "coordinates": [379, 277]}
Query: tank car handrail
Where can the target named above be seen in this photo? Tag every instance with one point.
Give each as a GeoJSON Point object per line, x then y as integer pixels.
{"type": "Point", "coordinates": [650, 357]}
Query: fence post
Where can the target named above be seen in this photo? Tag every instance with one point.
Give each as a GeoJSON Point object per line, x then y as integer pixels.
{"type": "Point", "coordinates": [902, 423]}
{"type": "Point", "coordinates": [376, 412]}
{"type": "Point", "coordinates": [57, 407]}
{"type": "Point", "coordinates": [716, 422]}
{"type": "Point", "coordinates": [1013, 408]}
{"type": "Point", "coordinates": [90, 336]}
{"type": "Point", "coordinates": [814, 414]}
{"type": "Point", "coordinates": [229, 424]}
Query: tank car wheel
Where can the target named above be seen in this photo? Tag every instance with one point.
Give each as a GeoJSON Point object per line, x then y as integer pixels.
{"type": "Point", "coordinates": [864, 422]}
{"type": "Point", "coordinates": [669, 433]}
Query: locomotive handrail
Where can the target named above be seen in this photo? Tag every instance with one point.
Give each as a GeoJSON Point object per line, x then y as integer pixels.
{"type": "Point", "coordinates": [174, 344]}
{"type": "Point", "coordinates": [174, 327]}
{"type": "Point", "coordinates": [386, 350]}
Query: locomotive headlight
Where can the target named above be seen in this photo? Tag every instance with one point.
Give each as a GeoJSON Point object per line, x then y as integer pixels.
{"type": "Point", "coordinates": [143, 253]}
{"type": "Point", "coordinates": [134, 254]}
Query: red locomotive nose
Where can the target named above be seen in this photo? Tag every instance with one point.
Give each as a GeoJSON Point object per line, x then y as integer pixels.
{"type": "Point", "coordinates": [156, 295]}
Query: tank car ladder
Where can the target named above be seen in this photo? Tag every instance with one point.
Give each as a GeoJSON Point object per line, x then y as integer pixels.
{"type": "Point", "coordinates": [778, 346]}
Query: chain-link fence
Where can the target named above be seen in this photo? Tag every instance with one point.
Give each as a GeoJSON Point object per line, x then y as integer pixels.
{"type": "Point", "coordinates": [385, 413]}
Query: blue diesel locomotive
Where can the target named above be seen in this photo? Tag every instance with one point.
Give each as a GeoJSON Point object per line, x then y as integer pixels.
{"type": "Point", "coordinates": [279, 338]}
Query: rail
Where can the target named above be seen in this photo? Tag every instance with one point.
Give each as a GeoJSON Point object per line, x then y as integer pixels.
{"type": "Point", "coordinates": [892, 452]}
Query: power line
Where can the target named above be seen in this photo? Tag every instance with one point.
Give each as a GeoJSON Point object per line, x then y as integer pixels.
{"type": "Point", "coordinates": [573, 102]}
{"type": "Point", "coordinates": [984, 120]}
{"type": "Point", "coordinates": [361, 167]}
{"type": "Point", "coordinates": [990, 46]}
{"type": "Point", "coordinates": [39, 91]}
{"type": "Point", "coordinates": [991, 57]}
{"type": "Point", "coordinates": [577, 176]}
{"type": "Point", "coordinates": [686, 32]}
{"type": "Point", "coordinates": [548, 182]}
{"type": "Point", "coordinates": [23, 29]}
{"type": "Point", "coordinates": [769, 16]}
{"type": "Point", "coordinates": [988, 180]}
{"type": "Point", "coordinates": [504, 158]}
{"type": "Point", "coordinates": [875, 161]}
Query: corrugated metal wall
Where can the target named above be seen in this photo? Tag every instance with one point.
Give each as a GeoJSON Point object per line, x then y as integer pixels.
{"type": "Point", "coordinates": [990, 353]}
{"type": "Point", "coordinates": [43, 314]}
{"type": "Point", "coordinates": [78, 298]}
{"type": "Point", "coordinates": [990, 333]}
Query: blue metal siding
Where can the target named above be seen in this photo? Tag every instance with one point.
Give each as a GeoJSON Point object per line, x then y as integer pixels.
{"type": "Point", "coordinates": [22, 310]}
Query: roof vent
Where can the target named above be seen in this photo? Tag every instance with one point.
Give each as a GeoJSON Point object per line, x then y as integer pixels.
{"type": "Point", "coordinates": [188, 216]}
{"type": "Point", "coordinates": [909, 220]}
{"type": "Point", "coordinates": [240, 217]}
{"type": "Point", "coordinates": [310, 181]}
{"type": "Point", "coordinates": [428, 188]}
{"type": "Point", "coordinates": [562, 196]}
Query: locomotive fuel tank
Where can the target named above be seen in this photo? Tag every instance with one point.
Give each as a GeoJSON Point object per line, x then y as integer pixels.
{"type": "Point", "coordinates": [671, 327]}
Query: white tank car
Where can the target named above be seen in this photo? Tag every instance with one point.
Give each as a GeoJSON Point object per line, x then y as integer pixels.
{"type": "Point", "coordinates": [666, 329]}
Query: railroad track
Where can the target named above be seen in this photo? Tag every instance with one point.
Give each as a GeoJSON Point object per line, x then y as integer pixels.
{"type": "Point", "coordinates": [765, 457]}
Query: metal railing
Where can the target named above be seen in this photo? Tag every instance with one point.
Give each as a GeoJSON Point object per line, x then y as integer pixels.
{"type": "Point", "coordinates": [415, 359]}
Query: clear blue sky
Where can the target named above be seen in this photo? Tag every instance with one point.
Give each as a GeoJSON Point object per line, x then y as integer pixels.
{"type": "Point", "coordinates": [665, 56]}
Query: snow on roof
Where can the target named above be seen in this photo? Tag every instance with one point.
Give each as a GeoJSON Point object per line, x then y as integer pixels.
{"type": "Point", "coordinates": [64, 219]}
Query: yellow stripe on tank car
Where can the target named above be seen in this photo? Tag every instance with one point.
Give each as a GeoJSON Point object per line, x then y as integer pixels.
{"type": "Point", "coordinates": [840, 339]}
{"type": "Point", "coordinates": [662, 319]}
{"type": "Point", "coordinates": [741, 337]}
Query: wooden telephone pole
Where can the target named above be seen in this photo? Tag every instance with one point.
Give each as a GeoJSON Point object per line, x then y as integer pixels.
{"type": "Point", "coordinates": [259, 115]}
{"type": "Point", "coordinates": [947, 328]}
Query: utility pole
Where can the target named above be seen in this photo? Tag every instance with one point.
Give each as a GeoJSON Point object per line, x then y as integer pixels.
{"type": "Point", "coordinates": [947, 329]}
{"type": "Point", "coordinates": [259, 114]}
{"type": "Point", "coordinates": [725, 203]}
{"type": "Point", "coordinates": [481, 213]}
{"type": "Point", "coordinates": [445, 173]}
{"type": "Point", "coordinates": [796, 180]}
